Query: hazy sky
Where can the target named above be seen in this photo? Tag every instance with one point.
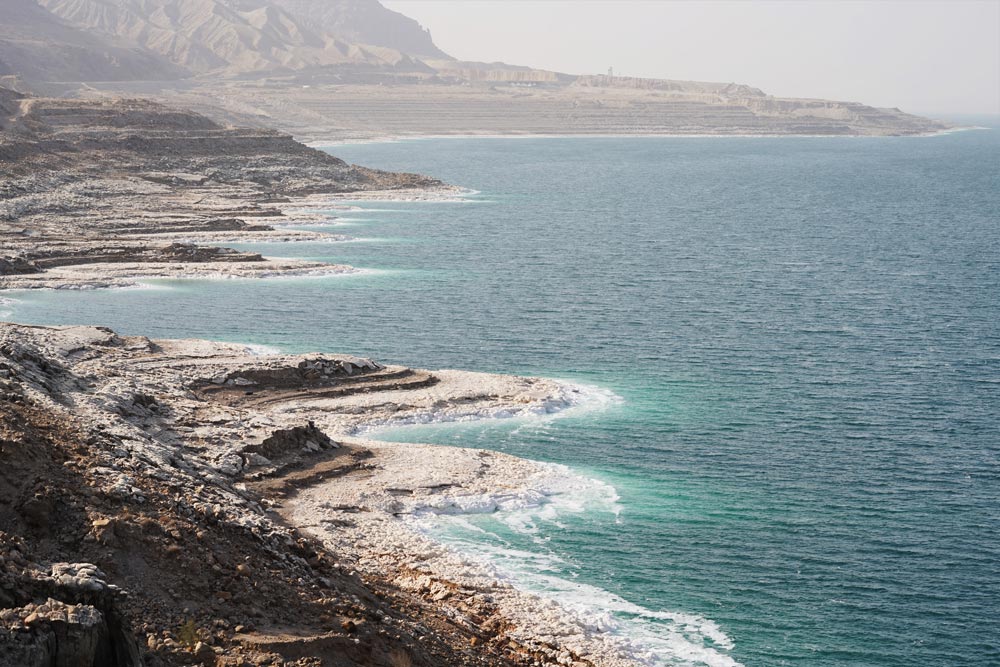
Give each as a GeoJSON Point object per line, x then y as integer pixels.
{"type": "Point", "coordinates": [931, 57]}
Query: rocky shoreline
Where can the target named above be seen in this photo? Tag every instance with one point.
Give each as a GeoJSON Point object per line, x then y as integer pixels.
{"type": "Point", "coordinates": [188, 502]}
{"type": "Point", "coordinates": [103, 194]}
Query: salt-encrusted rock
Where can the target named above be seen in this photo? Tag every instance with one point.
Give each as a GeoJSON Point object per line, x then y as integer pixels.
{"type": "Point", "coordinates": [253, 459]}
{"type": "Point", "coordinates": [82, 577]}
{"type": "Point", "coordinates": [230, 464]}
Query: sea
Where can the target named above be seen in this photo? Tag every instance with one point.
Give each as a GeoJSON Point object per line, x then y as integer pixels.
{"type": "Point", "coordinates": [788, 450]}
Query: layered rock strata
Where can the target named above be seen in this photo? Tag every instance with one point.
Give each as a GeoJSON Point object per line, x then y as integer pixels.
{"type": "Point", "coordinates": [97, 194]}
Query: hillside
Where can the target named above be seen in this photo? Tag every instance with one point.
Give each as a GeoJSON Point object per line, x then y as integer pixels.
{"type": "Point", "coordinates": [237, 37]}
{"type": "Point", "coordinates": [318, 108]}
{"type": "Point", "coordinates": [365, 22]}
{"type": "Point", "coordinates": [153, 517]}
{"type": "Point", "coordinates": [36, 45]}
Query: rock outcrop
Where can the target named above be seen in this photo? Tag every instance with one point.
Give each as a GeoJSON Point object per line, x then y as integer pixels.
{"type": "Point", "coordinates": [67, 616]}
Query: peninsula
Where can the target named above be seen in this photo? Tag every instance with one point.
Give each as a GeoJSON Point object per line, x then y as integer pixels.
{"type": "Point", "coordinates": [101, 193]}
{"type": "Point", "coordinates": [187, 502]}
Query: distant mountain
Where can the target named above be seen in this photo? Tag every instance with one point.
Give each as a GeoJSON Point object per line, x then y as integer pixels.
{"type": "Point", "coordinates": [365, 22]}
{"type": "Point", "coordinates": [238, 37]}
{"type": "Point", "coordinates": [322, 67]}
{"type": "Point", "coordinates": [36, 45]}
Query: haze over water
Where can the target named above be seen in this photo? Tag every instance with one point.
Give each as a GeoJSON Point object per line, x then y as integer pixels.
{"type": "Point", "coordinates": [805, 334]}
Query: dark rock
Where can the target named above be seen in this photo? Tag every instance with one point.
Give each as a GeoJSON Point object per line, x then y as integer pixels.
{"type": "Point", "coordinates": [12, 265]}
{"type": "Point", "coordinates": [287, 441]}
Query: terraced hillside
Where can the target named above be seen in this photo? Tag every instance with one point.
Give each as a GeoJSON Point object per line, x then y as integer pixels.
{"type": "Point", "coordinates": [324, 110]}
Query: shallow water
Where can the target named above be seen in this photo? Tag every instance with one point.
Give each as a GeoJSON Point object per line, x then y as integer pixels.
{"type": "Point", "coordinates": [804, 333]}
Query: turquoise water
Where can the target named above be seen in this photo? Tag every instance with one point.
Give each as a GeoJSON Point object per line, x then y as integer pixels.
{"type": "Point", "coordinates": [805, 336]}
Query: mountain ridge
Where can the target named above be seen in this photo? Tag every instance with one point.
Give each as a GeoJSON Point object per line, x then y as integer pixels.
{"type": "Point", "coordinates": [236, 37]}
{"type": "Point", "coordinates": [308, 66]}
{"type": "Point", "coordinates": [35, 44]}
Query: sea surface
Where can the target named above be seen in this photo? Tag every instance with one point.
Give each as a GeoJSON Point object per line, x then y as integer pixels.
{"type": "Point", "coordinates": [794, 344]}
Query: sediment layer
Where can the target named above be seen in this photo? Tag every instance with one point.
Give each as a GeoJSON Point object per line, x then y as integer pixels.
{"type": "Point", "coordinates": [344, 108]}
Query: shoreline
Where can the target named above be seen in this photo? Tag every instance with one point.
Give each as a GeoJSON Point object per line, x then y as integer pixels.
{"type": "Point", "coordinates": [281, 436]}
{"type": "Point", "coordinates": [489, 482]}
{"type": "Point", "coordinates": [392, 510]}
{"type": "Point", "coordinates": [398, 138]}
{"type": "Point", "coordinates": [466, 397]}
{"type": "Point", "coordinates": [221, 420]}
{"type": "Point", "coordinates": [126, 275]}
{"type": "Point", "coordinates": [457, 480]}
{"type": "Point", "coordinates": [84, 273]}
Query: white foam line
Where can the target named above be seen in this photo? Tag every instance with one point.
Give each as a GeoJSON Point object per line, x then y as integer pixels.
{"type": "Point", "coordinates": [352, 272]}
{"type": "Point", "coordinates": [654, 135]}
{"type": "Point", "coordinates": [323, 239]}
{"type": "Point", "coordinates": [259, 350]}
{"type": "Point", "coordinates": [413, 196]}
{"type": "Point", "coordinates": [320, 237]}
{"type": "Point", "coordinates": [557, 488]}
{"type": "Point", "coordinates": [450, 200]}
{"type": "Point", "coordinates": [139, 284]}
{"type": "Point", "coordinates": [650, 637]}
{"type": "Point", "coordinates": [153, 282]}
{"type": "Point", "coordinates": [335, 271]}
{"type": "Point", "coordinates": [373, 210]}
{"type": "Point", "coordinates": [571, 400]}
{"type": "Point", "coordinates": [320, 208]}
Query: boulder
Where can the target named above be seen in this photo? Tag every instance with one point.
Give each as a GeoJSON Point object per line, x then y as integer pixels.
{"type": "Point", "coordinates": [291, 440]}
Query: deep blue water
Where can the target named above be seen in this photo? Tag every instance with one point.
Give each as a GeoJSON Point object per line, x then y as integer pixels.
{"type": "Point", "coordinates": [804, 333]}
